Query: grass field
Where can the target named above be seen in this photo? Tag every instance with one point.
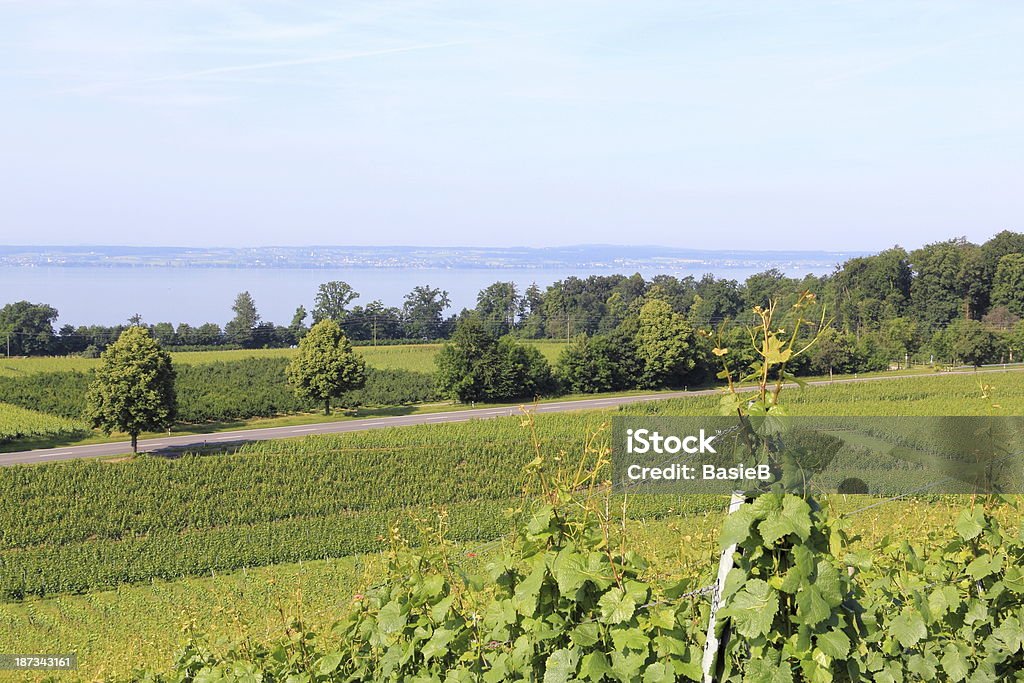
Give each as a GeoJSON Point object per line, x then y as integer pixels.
{"type": "Point", "coordinates": [115, 631]}
{"type": "Point", "coordinates": [416, 357]}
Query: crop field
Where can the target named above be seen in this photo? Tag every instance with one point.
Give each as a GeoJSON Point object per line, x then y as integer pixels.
{"type": "Point", "coordinates": [232, 541]}
{"type": "Point", "coordinates": [17, 423]}
{"type": "Point", "coordinates": [414, 357]}
{"type": "Point", "coordinates": [140, 626]}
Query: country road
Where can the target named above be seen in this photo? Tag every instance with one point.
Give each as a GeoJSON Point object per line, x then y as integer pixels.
{"type": "Point", "coordinates": [177, 443]}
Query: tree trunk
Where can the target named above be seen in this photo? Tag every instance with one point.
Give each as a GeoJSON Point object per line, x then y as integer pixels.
{"type": "Point", "coordinates": [327, 406]}
{"type": "Point", "coordinates": [135, 443]}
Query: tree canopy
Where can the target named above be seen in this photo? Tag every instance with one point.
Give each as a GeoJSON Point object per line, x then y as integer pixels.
{"type": "Point", "coordinates": [325, 366]}
{"type": "Point", "coordinates": [133, 389]}
{"type": "Point", "coordinates": [478, 366]}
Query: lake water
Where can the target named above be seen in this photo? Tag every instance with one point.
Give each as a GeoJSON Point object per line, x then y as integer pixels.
{"type": "Point", "coordinates": [108, 296]}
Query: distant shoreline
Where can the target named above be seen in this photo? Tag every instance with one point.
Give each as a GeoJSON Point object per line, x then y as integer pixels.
{"type": "Point", "coordinates": [594, 257]}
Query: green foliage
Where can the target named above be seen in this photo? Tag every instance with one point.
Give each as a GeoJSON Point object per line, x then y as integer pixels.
{"type": "Point", "coordinates": [220, 391]}
{"type": "Point", "coordinates": [948, 283]}
{"type": "Point", "coordinates": [499, 307]}
{"type": "Point", "coordinates": [325, 366]}
{"type": "Point", "coordinates": [792, 605]}
{"type": "Point", "coordinates": [26, 329]}
{"type": "Point", "coordinates": [332, 300]}
{"type": "Point", "coordinates": [423, 312]}
{"type": "Point", "coordinates": [241, 329]}
{"type": "Point", "coordinates": [559, 604]}
{"type": "Point", "coordinates": [18, 423]}
{"type": "Point", "coordinates": [54, 515]}
{"type": "Point", "coordinates": [949, 609]}
{"type": "Point", "coordinates": [665, 345]}
{"type": "Point", "coordinates": [1008, 285]}
{"type": "Point", "coordinates": [604, 362]}
{"type": "Point", "coordinates": [477, 366]}
{"type": "Point", "coordinates": [133, 388]}
{"type": "Point", "coordinates": [969, 341]}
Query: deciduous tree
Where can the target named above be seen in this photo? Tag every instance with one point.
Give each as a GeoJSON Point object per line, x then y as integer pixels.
{"type": "Point", "coordinates": [240, 329]}
{"type": "Point", "coordinates": [332, 300]}
{"type": "Point", "coordinates": [133, 390]}
{"type": "Point", "coordinates": [665, 345]}
{"type": "Point", "coordinates": [27, 327]}
{"type": "Point", "coordinates": [326, 366]}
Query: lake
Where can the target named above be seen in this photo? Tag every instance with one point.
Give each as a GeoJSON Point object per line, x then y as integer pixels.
{"type": "Point", "coordinates": [108, 296]}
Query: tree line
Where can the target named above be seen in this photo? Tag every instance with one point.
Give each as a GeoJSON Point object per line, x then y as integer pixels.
{"type": "Point", "coordinates": [948, 301]}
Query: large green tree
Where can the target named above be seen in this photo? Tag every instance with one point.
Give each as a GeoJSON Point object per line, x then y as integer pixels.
{"type": "Point", "coordinates": [1008, 285]}
{"type": "Point", "coordinates": [325, 366]}
{"type": "Point", "coordinates": [26, 328]}
{"type": "Point", "coordinates": [499, 306]}
{"type": "Point", "coordinates": [948, 282]}
{"type": "Point", "coordinates": [969, 341]}
{"type": "Point", "coordinates": [332, 300]}
{"type": "Point", "coordinates": [590, 365]}
{"type": "Point", "coordinates": [665, 345]}
{"type": "Point", "coordinates": [240, 330]}
{"type": "Point", "coordinates": [422, 312]}
{"type": "Point", "coordinates": [133, 389]}
{"type": "Point", "coordinates": [478, 366]}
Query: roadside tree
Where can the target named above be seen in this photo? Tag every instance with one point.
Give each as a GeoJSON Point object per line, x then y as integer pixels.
{"type": "Point", "coordinates": [325, 366]}
{"type": "Point", "coordinates": [133, 389]}
{"type": "Point", "coordinates": [665, 344]}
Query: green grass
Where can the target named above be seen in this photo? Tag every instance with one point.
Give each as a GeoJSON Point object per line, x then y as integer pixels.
{"type": "Point", "coordinates": [417, 357]}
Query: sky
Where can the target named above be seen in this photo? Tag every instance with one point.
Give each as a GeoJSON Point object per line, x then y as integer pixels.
{"type": "Point", "coordinates": [713, 125]}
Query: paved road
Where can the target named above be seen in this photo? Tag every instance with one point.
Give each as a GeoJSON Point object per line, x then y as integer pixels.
{"type": "Point", "coordinates": [178, 443]}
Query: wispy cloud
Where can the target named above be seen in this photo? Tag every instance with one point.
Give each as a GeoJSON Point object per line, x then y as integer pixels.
{"type": "Point", "coordinates": [198, 74]}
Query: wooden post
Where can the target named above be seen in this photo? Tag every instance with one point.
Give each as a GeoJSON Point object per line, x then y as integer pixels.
{"type": "Point", "coordinates": [712, 648]}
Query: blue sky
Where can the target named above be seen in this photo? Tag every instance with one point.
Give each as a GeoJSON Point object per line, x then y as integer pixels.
{"type": "Point", "coordinates": [818, 125]}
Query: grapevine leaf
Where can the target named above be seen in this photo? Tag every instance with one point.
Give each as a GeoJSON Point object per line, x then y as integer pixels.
{"type": "Point", "coordinates": [616, 606]}
{"type": "Point", "coordinates": [812, 608]}
{"type": "Point", "coordinates": [828, 584]}
{"type": "Point", "coordinates": [835, 644]}
{"type": "Point", "coordinates": [908, 628]}
{"type": "Point", "coordinates": [569, 571]}
{"type": "Point", "coordinates": [438, 643]}
{"type": "Point", "coordinates": [922, 667]}
{"type": "Point", "coordinates": [970, 523]}
{"type": "Point", "coordinates": [954, 663]}
{"type": "Point", "coordinates": [753, 609]}
{"type": "Point", "coordinates": [584, 635]}
{"type": "Point", "coordinates": [1010, 634]}
{"type": "Point", "coordinates": [595, 666]}
{"type": "Point", "coordinates": [630, 639]}
{"type": "Point", "coordinates": [561, 666]}
{"type": "Point", "coordinates": [329, 663]}
{"type": "Point", "coordinates": [736, 528]}
{"type": "Point", "coordinates": [1014, 579]}
{"type": "Point", "coordinates": [390, 618]}
{"type": "Point", "coordinates": [659, 673]}
{"type": "Point", "coordinates": [982, 566]}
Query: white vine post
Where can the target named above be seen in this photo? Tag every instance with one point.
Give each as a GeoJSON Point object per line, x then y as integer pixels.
{"type": "Point", "coordinates": [709, 664]}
